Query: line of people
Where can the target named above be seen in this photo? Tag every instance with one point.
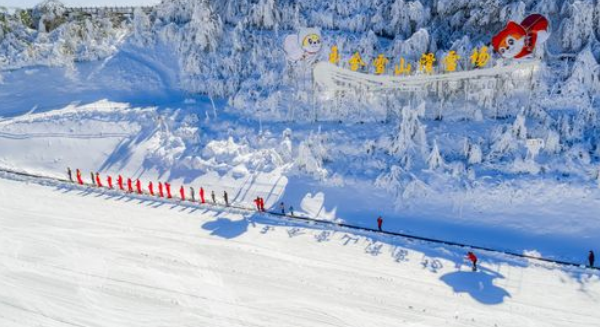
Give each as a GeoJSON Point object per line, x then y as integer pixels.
{"type": "Point", "coordinates": [471, 257]}
{"type": "Point", "coordinates": [164, 191]}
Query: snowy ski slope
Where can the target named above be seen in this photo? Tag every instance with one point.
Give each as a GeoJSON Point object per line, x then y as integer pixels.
{"type": "Point", "coordinates": [73, 258]}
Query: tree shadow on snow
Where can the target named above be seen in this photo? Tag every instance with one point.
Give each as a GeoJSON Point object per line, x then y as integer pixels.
{"type": "Point", "coordinates": [226, 228]}
{"type": "Point", "coordinates": [479, 285]}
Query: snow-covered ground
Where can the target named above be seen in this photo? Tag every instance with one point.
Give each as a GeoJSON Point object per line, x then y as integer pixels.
{"type": "Point", "coordinates": [151, 131]}
{"type": "Point", "coordinates": [199, 93]}
{"type": "Point", "coordinates": [71, 257]}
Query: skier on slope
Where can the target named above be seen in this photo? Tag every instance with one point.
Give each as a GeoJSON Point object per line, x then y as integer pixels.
{"type": "Point", "coordinates": [473, 258]}
{"type": "Point", "coordinates": [129, 185]}
{"type": "Point", "coordinates": [226, 198]}
{"type": "Point", "coordinates": [109, 181]}
{"type": "Point", "coordinates": [282, 207]}
{"type": "Point", "coordinates": [591, 258]}
{"type": "Point", "coordinates": [70, 174]}
{"type": "Point", "coordinates": [202, 195]}
{"type": "Point", "coordinates": [262, 204]}
{"type": "Point", "coordinates": [292, 211]}
{"type": "Point", "coordinates": [193, 194]}
{"type": "Point", "coordinates": [379, 223]}
{"type": "Point", "coordinates": [151, 188]}
{"type": "Point", "coordinates": [168, 188]}
{"type": "Point", "coordinates": [98, 181]}
{"type": "Point", "coordinates": [160, 190]}
{"type": "Point", "coordinates": [79, 180]}
{"type": "Point", "coordinates": [212, 195]}
{"type": "Point", "coordinates": [182, 193]}
{"type": "Point", "coordinates": [120, 182]}
{"type": "Point", "coordinates": [93, 178]}
{"type": "Point", "coordinates": [138, 186]}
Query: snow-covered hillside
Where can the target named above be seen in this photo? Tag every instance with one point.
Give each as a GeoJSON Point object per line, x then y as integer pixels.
{"type": "Point", "coordinates": [199, 93]}
{"type": "Point", "coordinates": [76, 257]}
{"type": "Point", "coordinates": [462, 171]}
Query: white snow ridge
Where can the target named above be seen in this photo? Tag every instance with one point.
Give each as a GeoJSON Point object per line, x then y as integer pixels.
{"type": "Point", "coordinates": [499, 157]}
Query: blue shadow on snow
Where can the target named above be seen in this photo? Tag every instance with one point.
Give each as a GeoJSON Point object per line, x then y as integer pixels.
{"type": "Point", "coordinates": [479, 285]}
{"type": "Point", "coordinates": [226, 228]}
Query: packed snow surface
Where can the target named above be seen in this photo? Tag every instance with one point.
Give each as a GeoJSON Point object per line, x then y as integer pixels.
{"type": "Point", "coordinates": [76, 257]}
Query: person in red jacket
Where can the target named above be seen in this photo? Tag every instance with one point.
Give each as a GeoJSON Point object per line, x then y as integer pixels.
{"type": "Point", "coordinates": [182, 193]}
{"type": "Point", "coordinates": [98, 181]}
{"type": "Point", "coordinates": [129, 185]}
{"type": "Point", "coordinates": [168, 187]}
{"type": "Point", "coordinates": [79, 180]}
{"type": "Point", "coordinates": [151, 188]}
{"type": "Point", "coordinates": [202, 195]}
{"type": "Point", "coordinates": [120, 181]}
{"type": "Point", "coordinates": [138, 186]}
{"type": "Point", "coordinates": [379, 223]}
{"type": "Point", "coordinates": [473, 258]}
{"type": "Point", "coordinates": [257, 201]}
{"type": "Point", "coordinates": [109, 181]}
{"type": "Point", "coordinates": [160, 190]}
{"type": "Point", "coordinates": [262, 204]}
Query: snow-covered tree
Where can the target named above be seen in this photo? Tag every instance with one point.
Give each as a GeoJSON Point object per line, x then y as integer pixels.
{"type": "Point", "coordinates": [391, 181]}
{"type": "Point", "coordinates": [265, 14]}
{"type": "Point", "coordinates": [411, 136]}
{"type": "Point", "coordinates": [505, 143]}
{"type": "Point", "coordinates": [552, 142]}
{"type": "Point", "coordinates": [578, 26]}
{"type": "Point", "coordinates": [205, 27]}
{"type": "Point", "coordinates": [178, 12]}
{"type": "Point", "coordinates": [475, 154]}
{"type": "Point", "coordinates": [519, 129]}
{"type": "Point", "coordinates": [534, 146]}
{"type": "Point", "coordinates": [285, 147]}
{"type": "Point", "coordinates": [141, 27]}
{"type": "Point", "coordinates": [435, 159]}
{"type": "Point", "coordinates": [584, 77]}
{"type": "Point", "coordinates": [406, 17]}
{"type": "Point", "coordinates": [312, 153]}
{"type": "Point", "coordinates": [513, 11]}
{"type": "Point", "coordinates": [48, 15]}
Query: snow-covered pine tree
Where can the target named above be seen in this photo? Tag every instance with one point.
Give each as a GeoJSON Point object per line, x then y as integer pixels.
{"type": "Point", "coordinates": [265, 14]}
{"type": "Point", "coordinates": [519, 128]}
{"type": "Point", "coordinates": [435, 159]}
{"type": "Point", "coordinates": [578, 24]}
{"type": "Point", "coordinates": [205, 27]}
{"type": "Point", "coordinates": [411, 135]}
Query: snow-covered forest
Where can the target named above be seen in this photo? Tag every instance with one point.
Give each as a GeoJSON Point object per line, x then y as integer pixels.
{"type": "Point", "coordinates": [444, 138]}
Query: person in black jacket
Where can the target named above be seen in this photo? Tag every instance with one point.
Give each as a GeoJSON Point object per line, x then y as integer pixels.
{"type": "Point", "coordinates": [591, 258]}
